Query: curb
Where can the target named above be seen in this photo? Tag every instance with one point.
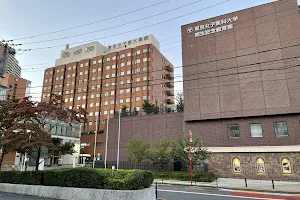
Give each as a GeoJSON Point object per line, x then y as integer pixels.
{"type": "Point", "coordinates": [235, 189]}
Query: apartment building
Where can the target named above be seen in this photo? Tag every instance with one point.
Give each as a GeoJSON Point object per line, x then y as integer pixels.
{"type": "Point", "coordinates": [17, 88]}
{"type": "Point", "coordinates": [102, 79]}
{"type": "Point", "coordinates": [8, 62]}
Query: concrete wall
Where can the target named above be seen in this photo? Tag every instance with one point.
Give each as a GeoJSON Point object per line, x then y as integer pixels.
{"type": "Point", "coordinates": [148, 127]}
{"type": "Point", "coordinates": [236, 73]}
{"type": "Point", "coordinates": [68, 193]}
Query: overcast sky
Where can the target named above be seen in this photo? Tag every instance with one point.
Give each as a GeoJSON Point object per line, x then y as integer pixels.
{"type": "Point", "coordinates": [33, 17]}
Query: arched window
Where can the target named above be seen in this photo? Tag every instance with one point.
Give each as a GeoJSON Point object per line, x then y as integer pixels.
{"type": "Point", "coordinates": [236, 164]}
{"type": "Point", "coordinates": [260, 166]}
{"type": "Point", "coordinates": [286, 166]}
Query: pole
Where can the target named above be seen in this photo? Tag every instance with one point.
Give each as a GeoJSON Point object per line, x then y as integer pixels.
{"type": "Point", "coordinates": [119, 131]}
{"type": "Point", "coordinates": [106, 139]}
{"type": "Point", "coordinates": [191, 168]}
{"type": "Point", "coordinates": [80, 129]}
{"type": "Point", "coordinates": [95, 141]}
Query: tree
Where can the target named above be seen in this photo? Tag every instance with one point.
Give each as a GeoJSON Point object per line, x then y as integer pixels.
{"type": "Point", "coordinates": [160, 153]}
{"type": "Point", "coordinates": [42, 114]}
{"type": "Point", "coordinates": [178, 152]}
{"type": "Point", "coordinates": [150, 108]}
{"type": "Point", "coordinates": [124, 110]}
{"type": "Point", "coordinates": [5, 123]}
{"type": "Point", "coordinates": [179, 102]}
{"type": "Point", "coordinates": [137, 150]}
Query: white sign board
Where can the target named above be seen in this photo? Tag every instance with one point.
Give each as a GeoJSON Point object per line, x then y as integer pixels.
{"type": "Point", "coordinates": [213, 27]}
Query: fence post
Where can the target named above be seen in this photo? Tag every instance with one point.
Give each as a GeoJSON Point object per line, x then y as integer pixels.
{"type": "Point", "coordinates": [246, 182]}
{"type": "Point", "coordinates": [162, 179]}
{"type": "Point", "coordinates": [273, 184]}
{"type": "Point", "coordinates": [156, 190]}
{"type": "Point", "coordinates": [217, 182]}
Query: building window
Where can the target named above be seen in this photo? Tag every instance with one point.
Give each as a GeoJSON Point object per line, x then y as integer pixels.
{"type": "Point", "coordinates": [114, 58]}
{"type": "Point", "coordinates": [138, 52]}
{"type": "Point", "coordinates": [127, 90]}
{"type": "Point", "coordinates": [105, 112]}
{"type": "Point", "coordinates": [280, 129]}
{"type": "Point", "coordinates": [94, 70]}
{"type": "Point", "coordinates": [105, 103]}
{"type": "Point", "coordinates": [144, 78]}
{"type": "Point", "coordinates": [97, 104]}
{"type": "Point", "coordinates": [137, 89]}
{"type": "Point", "coordinates": [144, 87]}
{"type": "Point", "coordinates": [100, 61]}
{"type": "Point", "coordinates": [137, 70]}
{"type": "Point", "coordinates": [138, 61]}
{"type": "Point", "coordinates": [107, 59]}
{"type": "Point", "coordinates": [111, 112]}
{"type": "Point", "coordinates": [83, 106]}
{"type": "Point", "coordinates": [260, 166]}
{"type": "Point", "coordinates": [121, 100]}
{"type": "Point", "coordinates": [112, 92]}
{"type": "Point", "coordinates": [144, 59]}
{"type": "Point", "coordinates": [145, 69]}
{"type": "Point", "coordinates": [121, 91]}
{"type": "Point", "coordinates": [91, 114]}
{"type": "Point", "coordinates": [256, 130]}
{"type": "Point", "coordinates": [122, 64]}
{"type": "Point", "coordinates": [106, 94]}
{"type": "Point", "coordinates": [286, 166]}
{"type": "Point", "coordinates": [86, 72]}
{"type": "Point", "coordinates": [92, 96]}
{"type": "Point", "coordinates": [94, 62]}
{"type": "Point", "coordinates": [138, 80]}
{"type": "Point", "coordinates": [128, 71]}
{"type": "Point", "coordinates": [128, 54]}
{"type": "Point", "coordinates": [112, 102]}
{"type": "Point", "coordinates": [91, 105]}
{"type": "Point", "coordinates": [78, 98]}
{"type": "Point", "coordinates": [121, 82]}
{"type": "Point", "coordinates": [128, 62]}
{"type": "Point", "coordinates": [137, 99]}
{"type": "Point", "coordinates": [66, 100]}
{"type": "Point", "coordinates": [68, 76]}
{"type": "Point", "coordinates": [107, 76]}
{"type": "Point", "coordinates": [90, 123]}
{"type": "Point", "coordinates": [233, 131]}
{"type": "Point", "coordinates": [80, 73]}
{"type": "Point", "coordinates": [128, 81]}
{"type": "Point", "coordinates": [122, 56]}
{"type": "Point", "coordinates": [236, 165]}
{"type": "Point", "coordinates": [127, 100]}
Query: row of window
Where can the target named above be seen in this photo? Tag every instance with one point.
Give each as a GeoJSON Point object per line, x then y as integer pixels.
{"type": "Point", "coordinates": [260, 166]}
{"type": "Point", "coordinates": [280, 129]}
{"type": "Point", "coordinates": [136, 99]}
{"type": "Point", "coordinates": [107, 76]}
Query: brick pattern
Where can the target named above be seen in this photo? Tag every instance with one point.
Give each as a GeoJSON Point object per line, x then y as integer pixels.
{"type": "Point", "coordinates": [221, 165]}
{"type": "Point", "coordinates": [236, 87]}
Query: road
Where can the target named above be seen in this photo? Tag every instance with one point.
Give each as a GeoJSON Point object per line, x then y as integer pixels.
{"type": "Point", "coordinates": [182, 193]}
{"type": "Point", "coordinates": [192, 193]}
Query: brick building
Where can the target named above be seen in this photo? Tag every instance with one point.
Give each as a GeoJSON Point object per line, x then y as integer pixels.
{"type": "Point", "coordinates": [102, 79]}
{"type": "Point", "coordinates": [241, 81]}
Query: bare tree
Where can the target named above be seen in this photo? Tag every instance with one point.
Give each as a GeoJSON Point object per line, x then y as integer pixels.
{"type": "Point", "coordinates": [179, 102]}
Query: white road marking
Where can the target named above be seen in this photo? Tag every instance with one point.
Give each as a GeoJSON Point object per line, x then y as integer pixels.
{"type": "Point", "coordinates": [220, 195]}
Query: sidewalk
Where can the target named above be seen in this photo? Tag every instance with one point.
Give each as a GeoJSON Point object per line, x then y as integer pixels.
{"type": "Point", "coordinates": [239, 184]}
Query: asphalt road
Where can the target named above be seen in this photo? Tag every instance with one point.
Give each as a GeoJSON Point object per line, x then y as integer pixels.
{"type": "Point", "coordinates": [191, 193]}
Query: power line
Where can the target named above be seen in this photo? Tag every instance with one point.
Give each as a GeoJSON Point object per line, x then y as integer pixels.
{"type": "Point", "coordinates": [116, 26]}
{"type": "Point", "coordinates": [109, 18]}
{"type": "Point", "coordinates": [172, 48]}
{"type": "Point", "coordinates": [238, 73]}
{"type": "Point", "coordinates": [199, 73]}
{"type": "Point", "coordinates": [49, 47]}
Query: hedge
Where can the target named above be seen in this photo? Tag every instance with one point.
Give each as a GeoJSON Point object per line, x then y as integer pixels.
{"type": "Point", "coordinates": [184, 176]}
{"type": "Point", "coordinates": [82, 178]}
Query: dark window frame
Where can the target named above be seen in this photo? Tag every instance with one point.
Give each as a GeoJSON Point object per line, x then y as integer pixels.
{"type": "Point", "coordinates": [229, 131]}
{"type": "Point", "coordinates": [287, 131]}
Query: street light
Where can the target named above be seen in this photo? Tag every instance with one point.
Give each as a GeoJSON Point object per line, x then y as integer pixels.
{"type": "Point", "coordinates": [191, 150]}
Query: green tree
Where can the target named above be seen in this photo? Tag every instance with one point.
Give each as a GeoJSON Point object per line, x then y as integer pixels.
{"type": "Point", "coordinates": [137, 150]}
{"type": "Point", "coordinates": [124, 111]}
{"type": "Point", "coordinates": [150, 108]}
{"type": "Point", "coordinates": [160, 152]}
{"type": "Point", "coordinates": [179, 146]}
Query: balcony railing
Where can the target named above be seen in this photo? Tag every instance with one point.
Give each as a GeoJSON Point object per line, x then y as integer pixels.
{"type": "Point", "coordinates": [169, 93]}
{"type": "Point", "coordinates": [169, 84]}
{"type": "Point", "coordinates": [168, 68]}
{"type": "Point", "coordinates": [169, 101]}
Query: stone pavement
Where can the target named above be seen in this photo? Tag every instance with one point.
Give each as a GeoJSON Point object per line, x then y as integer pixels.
{"type": "Point", "coordinates": [239, 184]}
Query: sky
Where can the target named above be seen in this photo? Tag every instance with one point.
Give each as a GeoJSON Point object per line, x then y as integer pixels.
{"type": "Point", "coordinates": [20, 19]}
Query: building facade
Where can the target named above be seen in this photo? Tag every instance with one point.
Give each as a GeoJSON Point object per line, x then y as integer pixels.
{"type": "Point", "coordinates": [8, 62]}
{"type": "Point", "coordinates": [241, 82]}
{"type": "Point", "coordinates": [103, 79]}
{"type": "Point", "coordinates": [242, 90]}
{"type": "Point", "coordinates": [17, 88]}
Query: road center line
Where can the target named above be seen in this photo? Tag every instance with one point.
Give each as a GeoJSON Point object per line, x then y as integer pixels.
{"type": "Point", "coordinates": [220, 195]}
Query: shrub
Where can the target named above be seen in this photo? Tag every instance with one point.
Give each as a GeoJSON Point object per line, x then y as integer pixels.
{"type": "Point", "coordinates": [82, 178]}
{"type": "Point", "coordinates": [185, 176]}
{"type": "Point", "coordinates": [134, 180]}
{"type": "Point", "coordinates": [78, 177]}
{"type": "Point", "coordinates": [26, 178]}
